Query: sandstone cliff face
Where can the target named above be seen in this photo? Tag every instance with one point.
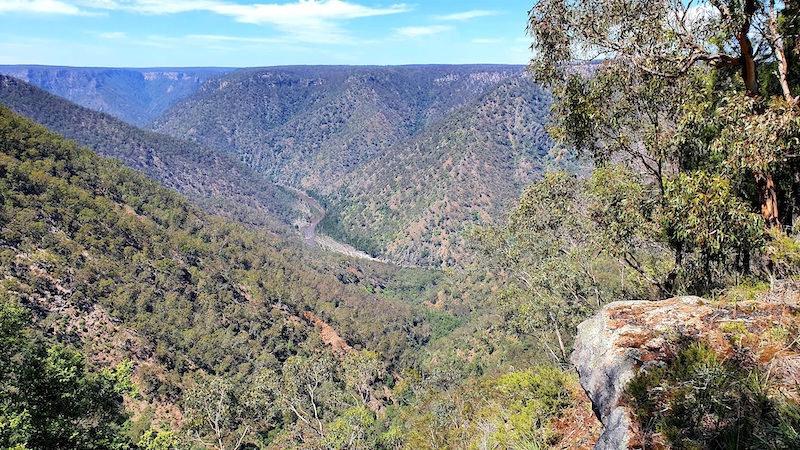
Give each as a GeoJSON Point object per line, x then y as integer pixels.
{"type": "Point", "coordinates": [136, 96]}
{"type": "Point", "coordinates": [626, 337]}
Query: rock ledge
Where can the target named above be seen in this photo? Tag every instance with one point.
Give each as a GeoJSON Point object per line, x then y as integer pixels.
{"type": "Point", "coordinates": [625, 337]}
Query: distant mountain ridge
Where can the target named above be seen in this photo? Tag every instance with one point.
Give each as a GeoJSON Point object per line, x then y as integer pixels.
{"type": "Point", "coordinates": [136, 96]}
{"type": "Point", "coordinates": [304, 124]}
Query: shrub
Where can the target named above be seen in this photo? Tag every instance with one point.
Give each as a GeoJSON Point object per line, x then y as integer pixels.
{"type": "Point", "coordinates": [702, 401]}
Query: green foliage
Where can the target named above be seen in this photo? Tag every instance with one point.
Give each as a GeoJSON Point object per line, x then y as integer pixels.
{"type": "Point", "coordinates": [621, 208]}
{"type": "Point", "coordinates": [48, 398]}
{"type": "Point", "coordinates": [512, 410]}
{"type": "Point", "coordinates": [158, 440]}
{"type": "Point", "coordinates": [361, 369]}
{"type": "Point", "coordinates": [221, 414]}
{"type": "Point", "coordinates": [757, 136]}
{"type": "Point", "coordinates": [703, 401]}
{"type": "Point", "coordinates": [530, 400]}
{"type": "Point", "coordinates": [625, 215]}
{"type": "Point", "coordinates": [661, 100]}
{"type": "Point", "coordinates": [442, 324]}
{"type": "Point", "coordinates": [352, 430]}
{"type": "Point", "coordinates": [557, 272]}
{"type": "Point", "coordinates": [312, 401]}
{"type": "Point", "coordinates": [703, 214]}
{"type": "Point", "coordinates": [784, 253]}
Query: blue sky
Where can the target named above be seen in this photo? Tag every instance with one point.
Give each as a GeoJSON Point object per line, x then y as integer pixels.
{"type": "Point", "coordinates": [243, 33]}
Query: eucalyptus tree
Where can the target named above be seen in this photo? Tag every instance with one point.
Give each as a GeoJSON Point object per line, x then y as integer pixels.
{"type": "Point", "coordinates": [48, 398]}
{"type": "Point", "coordinates": [547, 257]}
{"type": "Point", "coordinates": [699, 97]}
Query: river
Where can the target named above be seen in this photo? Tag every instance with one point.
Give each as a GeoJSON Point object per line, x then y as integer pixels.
{"type": "Point", "coordinates": [309, 230]}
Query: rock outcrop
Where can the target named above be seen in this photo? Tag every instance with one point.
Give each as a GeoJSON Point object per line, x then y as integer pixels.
{"type": "Point", "coordinates": [626, 337]}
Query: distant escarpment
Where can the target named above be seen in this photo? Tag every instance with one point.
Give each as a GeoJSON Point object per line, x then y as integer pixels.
{"type": "Point", "coordinates": [136, 96]}
{"type": "Point", "coordinates": [404, 158]}
{"type": "Point", "coordinates": [691, 373]}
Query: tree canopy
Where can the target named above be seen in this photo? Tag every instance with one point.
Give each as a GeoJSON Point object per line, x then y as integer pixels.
{"type": "Point", "coordinates": [47, 397]}
{"type": "Point", "coordinates": [697, 98]}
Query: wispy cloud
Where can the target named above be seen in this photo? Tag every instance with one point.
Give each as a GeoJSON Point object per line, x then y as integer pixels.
{"type": "Point", "coordinates": [306, 20]}
{"type": "Point", "coordinates": [39, 7]}
{"type": "Point", "coordinates": [212, 41]}
{"type": "Point", "coordinates": [468, 15]}
{"type": "Point", "coordinates": [415, 32]}
{"type": "Point", "coordinates": [487, 41]}
{"type": "Point", "coordinates": [238, 39]}
{"type": "Point", "coordinates": [303, 12]}
{"type": "Point", "coordinates": [314, 21]}
{"type": "Point", "coordinates": [111, 35]}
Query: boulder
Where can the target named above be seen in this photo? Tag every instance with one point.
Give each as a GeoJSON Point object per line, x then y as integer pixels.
{"type": "Point", "coordinates": [626, 337]}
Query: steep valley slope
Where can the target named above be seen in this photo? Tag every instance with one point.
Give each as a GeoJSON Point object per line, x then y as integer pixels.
{"type": "Point", "coordinates": [218, 181]}
{"type": "Point", "coordinates": [415, 201]}
{"type": "Point", "coordinates": [405, 158]}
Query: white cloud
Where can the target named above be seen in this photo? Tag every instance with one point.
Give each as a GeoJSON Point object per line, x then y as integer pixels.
{"type": "Point", "coordinates": [39, 7]}
{"type": "Point", "coordinates": [414, 32]}
{"type": "Point", "coordinates": [257, 13]}
{"type": "Point", "coordinates": [302, 12]}
{"type": "Point", "coordinates": [487, 41]}
{"type": "Point", "coordinates": [310, 21]}
{"type": "Point", "coordinates": [314, 21]}
{"type": "Point", "coordinates": [467, 15]}
{"type": "Point", "coordinates": [221, 38]}
{"type": "Point", "coordinates": [215, 41]}
{"type": "Point", "coordinates": [111, 35]}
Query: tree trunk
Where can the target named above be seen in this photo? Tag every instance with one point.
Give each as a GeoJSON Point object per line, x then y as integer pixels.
{"type": "Point", "coordinates": [768, 196]}
{"type": "Point", "coordinates": [780, 54]}
{"type": "Point", "coordinates": [747, 61]}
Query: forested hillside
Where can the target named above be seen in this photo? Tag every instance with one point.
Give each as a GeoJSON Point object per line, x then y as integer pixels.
{"type": "Point", "coordinates": [404, 157]}
{"type": "Point", "coordinates": [126, 269]}
{"type": "Point", "coordinates": [187, 318]}
{"type": "Point", "coordinates": [309, 126]}
{"type": "Point", "coordinates": [136, 96]}
{"type": "Point", "coordinates": [216, 180]}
